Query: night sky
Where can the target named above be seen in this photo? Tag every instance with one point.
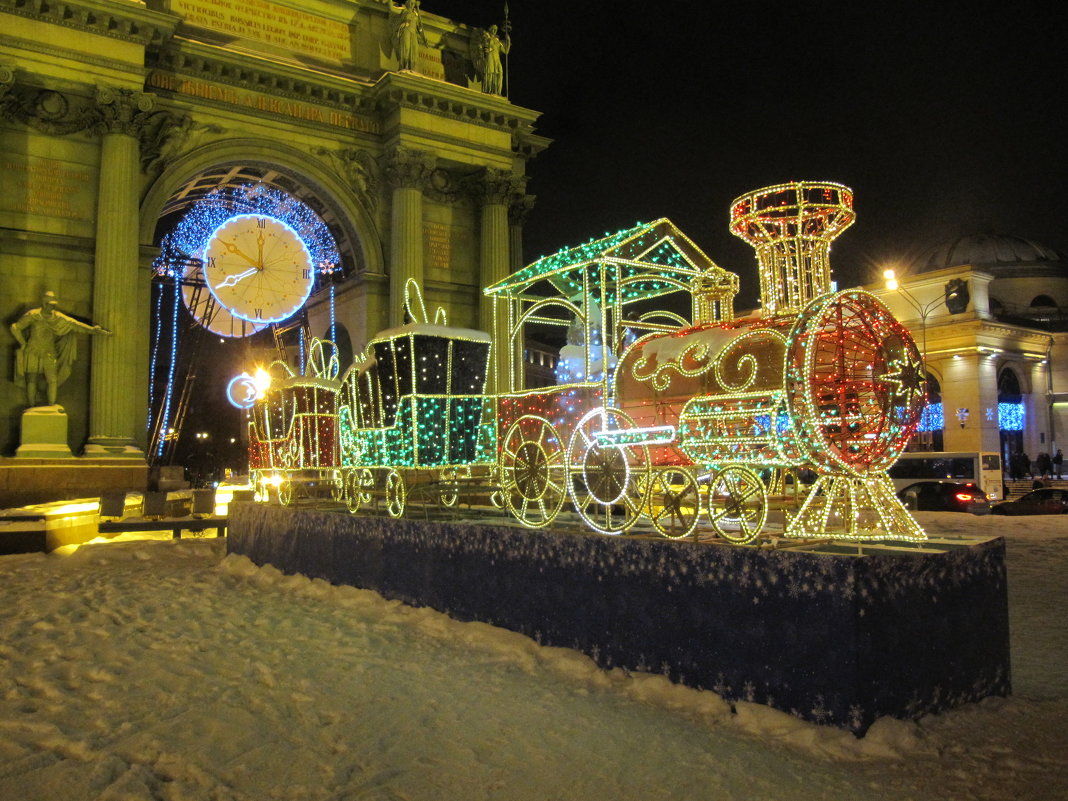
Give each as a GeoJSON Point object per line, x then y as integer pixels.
{"type": "Point", "coordinates": [943, 120]}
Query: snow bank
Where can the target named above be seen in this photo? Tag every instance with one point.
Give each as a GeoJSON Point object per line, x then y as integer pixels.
{"type": "Point", "coordinates": [165, 670]}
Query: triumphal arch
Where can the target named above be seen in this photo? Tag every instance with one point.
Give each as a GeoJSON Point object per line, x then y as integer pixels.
{"type": "Point", "coordinates": [118, 116]}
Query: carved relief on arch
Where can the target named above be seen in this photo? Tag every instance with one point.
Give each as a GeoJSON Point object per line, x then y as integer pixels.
{"type": "Point", "coordinates": [359, 170]}
{"type": "Point", "coordinates": [166, 136]}
{"type": "Point", "coordinates": [45, 110]}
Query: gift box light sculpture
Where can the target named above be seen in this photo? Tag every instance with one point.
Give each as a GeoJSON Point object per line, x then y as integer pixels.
{"type": "Point", "coordinates": [657, 418]}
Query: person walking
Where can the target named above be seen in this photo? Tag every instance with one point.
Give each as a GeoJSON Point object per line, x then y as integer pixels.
{"type": "Point", "coordinates": [1044, 465]}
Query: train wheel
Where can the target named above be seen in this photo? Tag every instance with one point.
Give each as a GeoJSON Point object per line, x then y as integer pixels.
{"type": "Point", "coordinates": [285, 492]}
{"type": "Point", "coordinates": [450, 478]}
{"type": "Point", "coordinates": [365, 484]}
{"type": "Point", "coordinates": [396, 494]}
{"type": "Point", "coordinates": [532, 471]}
{"type": "Point", "coordinates": [352, 492]}
{"type": "Point", "coordinates": [737, 504]}
{"type": "Point", "coordinates": [674, 503]}
{"type": "Point", "coordinates": [607, 482]}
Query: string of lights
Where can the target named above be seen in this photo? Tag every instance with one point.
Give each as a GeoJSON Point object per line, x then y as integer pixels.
{"type": "Point", "coordinates": [166, 414]}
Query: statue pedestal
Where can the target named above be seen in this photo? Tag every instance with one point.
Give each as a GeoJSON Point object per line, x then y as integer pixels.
{"type": "Point", "coordinates": [44, 434]}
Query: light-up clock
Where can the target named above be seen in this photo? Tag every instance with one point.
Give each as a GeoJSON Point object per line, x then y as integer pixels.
{"type": "Point", "coordinates": [258, 268]}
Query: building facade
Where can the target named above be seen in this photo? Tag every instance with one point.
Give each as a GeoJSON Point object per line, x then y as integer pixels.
{"type": "Point", "coordinates": [116, 116]}
{"type": "Point", "coordinates": [990, 314]}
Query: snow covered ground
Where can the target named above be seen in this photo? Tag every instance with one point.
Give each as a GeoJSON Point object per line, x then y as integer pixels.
{"type": "Point", "coordinates": [166, 670]}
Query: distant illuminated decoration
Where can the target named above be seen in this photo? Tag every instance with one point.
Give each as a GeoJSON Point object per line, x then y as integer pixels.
{"type": "Point", "coordinates": [242, 391]}
{"type": "Point", "coordinates": [1011, 416]}
{"type": "Point", "coordinates": [932, 418]}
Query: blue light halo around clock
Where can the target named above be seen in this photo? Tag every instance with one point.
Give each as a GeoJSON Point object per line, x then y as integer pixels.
{"type": "Point", "coordinates": [263, 298]}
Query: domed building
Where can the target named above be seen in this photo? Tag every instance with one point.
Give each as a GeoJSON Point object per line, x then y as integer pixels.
{"type": "Point", "coordinates": [990, 314]}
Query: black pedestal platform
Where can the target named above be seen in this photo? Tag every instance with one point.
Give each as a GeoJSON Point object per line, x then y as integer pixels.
{"type": "Point", "coordinates": [834, 638]}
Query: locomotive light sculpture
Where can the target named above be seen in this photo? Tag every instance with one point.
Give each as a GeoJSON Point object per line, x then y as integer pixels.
{"type": "Point", "coordinates": [657, 420]}
{"type": "Point", "coordinates": [822, 381]}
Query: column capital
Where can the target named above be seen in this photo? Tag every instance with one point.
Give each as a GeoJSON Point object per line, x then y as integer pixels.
{"type": "Point", "coordinates": [408, 168]}
{"type": "Point", "coordinates": [519, 206]}
{"type": "Point", "coordinates": [493, 186]}
{"type": "Point", "coordinates": [122, 111]}
{"type": "Point", "coordinates": [7, 100]}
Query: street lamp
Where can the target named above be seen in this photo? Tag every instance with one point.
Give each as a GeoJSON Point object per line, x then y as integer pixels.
{"type": "Point", "coordinates": [923, 309]}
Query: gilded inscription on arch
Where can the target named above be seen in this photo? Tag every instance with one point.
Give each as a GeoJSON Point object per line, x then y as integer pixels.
{"type": "Point", "coordinates": [275, 24]}
{"type": "Point", "coordinates": [46, 188]}
{"type": "Point", "coordinates": [437, 239]}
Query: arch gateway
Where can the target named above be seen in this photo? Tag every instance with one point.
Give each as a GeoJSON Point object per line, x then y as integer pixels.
{"type": "Point", "coordinates": [115, 115]}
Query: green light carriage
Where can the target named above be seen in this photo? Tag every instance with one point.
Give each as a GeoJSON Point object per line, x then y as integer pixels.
{"type": "Point", "coordinates": [415, 406]}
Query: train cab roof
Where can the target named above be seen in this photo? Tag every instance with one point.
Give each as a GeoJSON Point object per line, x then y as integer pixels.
{"type": "Point", "coordinates": [431, 330]}
{"type": "Point", "coordinates": [646, 261]}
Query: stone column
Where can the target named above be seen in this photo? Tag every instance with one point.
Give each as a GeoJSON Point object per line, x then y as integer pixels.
{"type": "Point", "coordinates": [970, 382]}
{"type": "Point", "coordinates": [113, 400]}
{"type": "Point", "coordinates": [408, 172]}
{"type": "Point", "coordinates": [518, 209]}
{"type": "Point", "coordinates": [495, 188]}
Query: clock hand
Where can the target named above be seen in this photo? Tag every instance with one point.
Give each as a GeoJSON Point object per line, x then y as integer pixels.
{"type": "Point", "coordinates": [231, 280]}
{"type": "Point", "coordinates": [230, 246]}
{"type": "Point", "coordinates": [259, 243]}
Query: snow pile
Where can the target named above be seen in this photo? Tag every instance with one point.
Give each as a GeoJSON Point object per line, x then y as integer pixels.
{"type": "Point", "coordinates": [167, 670]}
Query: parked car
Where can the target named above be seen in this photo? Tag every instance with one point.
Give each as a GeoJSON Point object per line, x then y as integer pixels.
{"type": "Point", "coordinates": [945, 496]}
{"type": "Point", "coordinates": [1038, 502]}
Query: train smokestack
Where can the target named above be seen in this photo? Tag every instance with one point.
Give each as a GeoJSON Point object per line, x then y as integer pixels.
{"type": "Point", "coordinates": [791, 226]}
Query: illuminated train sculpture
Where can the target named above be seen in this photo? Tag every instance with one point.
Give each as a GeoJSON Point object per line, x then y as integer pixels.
{"type": "Point", "coordinates": [658, 419]}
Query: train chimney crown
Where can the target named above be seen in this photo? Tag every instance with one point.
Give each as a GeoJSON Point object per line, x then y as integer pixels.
{"type": "Point", "coordinates": [791, 226]}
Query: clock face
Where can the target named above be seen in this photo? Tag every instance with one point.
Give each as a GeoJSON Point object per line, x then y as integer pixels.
{"type": "Point", "coordinates": [258, 268]}
{"type": "Point", "coordinates": [209, 313]}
